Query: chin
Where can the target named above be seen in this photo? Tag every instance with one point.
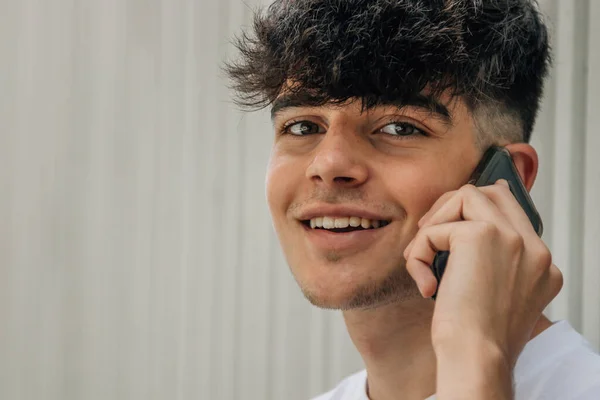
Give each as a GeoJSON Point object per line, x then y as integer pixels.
{"type": "Point", "coordinates": [337, 294]}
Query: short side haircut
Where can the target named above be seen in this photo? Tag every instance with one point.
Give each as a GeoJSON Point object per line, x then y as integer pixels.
{"type": "Point", "coordinates": [494, 54]}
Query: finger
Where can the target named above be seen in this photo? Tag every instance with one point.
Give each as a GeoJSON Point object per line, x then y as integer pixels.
{"type": "Point", "coordinates": [505, 201]}
{"type": "Point", "coordinates": [419, 256]}
{"type": "Point", "coordinates": [445, 237]}
{"type": "Point", "coordinates": [469, 204]}
{"type": "Point", "coordinates": [423, 277]}
{"type": "Point", "coordinates": [436, 206]}
{"type": "Point", "coordinates": [408, 247]}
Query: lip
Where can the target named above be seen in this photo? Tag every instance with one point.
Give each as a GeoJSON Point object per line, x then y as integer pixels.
{"type": "Point", "coordinates": [358, 240]}
{"type": "Point", "coordinates": [339, 212]}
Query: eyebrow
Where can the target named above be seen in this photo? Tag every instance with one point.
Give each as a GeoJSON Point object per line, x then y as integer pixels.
{"type": "Point", "coordinates": [423, 102]}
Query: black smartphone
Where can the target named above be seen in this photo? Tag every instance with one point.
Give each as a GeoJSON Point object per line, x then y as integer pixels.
{"type": "Point", "coordinates": [495, 164]}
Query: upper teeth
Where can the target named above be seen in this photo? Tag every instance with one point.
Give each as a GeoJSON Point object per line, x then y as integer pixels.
{"type": "Point", "coordinates": [331, 222]}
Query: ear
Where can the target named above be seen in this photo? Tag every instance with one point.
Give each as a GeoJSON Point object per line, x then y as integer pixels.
{"type": "Point", "coordinates": [526, 160]}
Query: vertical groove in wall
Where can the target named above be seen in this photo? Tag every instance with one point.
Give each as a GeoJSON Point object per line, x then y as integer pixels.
{"type": "Point", "coordinates": [317, 351]}
{"type": "Point", "coordinates": [327, 358]}
{"type": "Point", "coordinates": [23, 213]}
{"type": "Point", "coordinates": [143, 99]}
{"type": "Point", "coordinates": [220, 230]}
{"type": "Point", "coordinates": [236, 371]}
{"type": "Point", "coordinates": [154, 239]}
{"type": "Point", "coordinates": [580, 189]}
{"type": "Point", "coordinates": [579, 111]}
{"type": "Point", "coordinates": [569, 130]}
{"type": "Point", "coordinates": [9, 26]}
{"type": "Point", "coordinates": [591, 182]}
{"type": "Point", "coordinates": [242, 131]}
{"type": "Point", "coordinates": [208, 128]}
{"type": "Point", "coordinates": [191, 215]}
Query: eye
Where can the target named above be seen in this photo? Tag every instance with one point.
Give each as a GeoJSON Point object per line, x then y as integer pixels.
{"type": "Point", "coordinates": [402, 129]}
{"type": "Point", "coordinates": [301, 128]}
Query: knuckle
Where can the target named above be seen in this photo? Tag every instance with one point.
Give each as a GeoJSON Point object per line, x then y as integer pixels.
{"type": "Point", "coordinates": [445, 197]}
{"type": "Point", "coordinates": [448, 195]}
{"type": "Point", "coordinates": [541, 262]}
{"type": "Point", "coordinates": [543, 256]}
{"type": "Point", "coordinates": [557, 278]}
{"type": "Point", "coordinates": [496, 192]}
{"type": "Point", "coordinates": [419, 235]}
{"type": "Point", "coordinates": [419, 238]}
{"type": "Point", "coordinates": [502, 189]}
{"type": "Point", "coordinates": [491, 191]}
{"type": "Point", "coordinates": [468, 189]}
{"type": "Point", "coordinates": [426, 231]}
{"type": "Point", "coordinates": [499, 191]}
{"type": "Point", "coordinates": [422, 239]}
{"type": "Point", "coordinates": [485, 229]}
{"type": "Point", "coordinates": [515, 241]}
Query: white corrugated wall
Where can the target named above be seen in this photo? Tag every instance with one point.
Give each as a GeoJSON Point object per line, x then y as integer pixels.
{"type": "Point", "coordinates": [137, 258]}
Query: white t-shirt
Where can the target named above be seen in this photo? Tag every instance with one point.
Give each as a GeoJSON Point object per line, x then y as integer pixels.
{"type": "Point", "coordinates": [557, 364]}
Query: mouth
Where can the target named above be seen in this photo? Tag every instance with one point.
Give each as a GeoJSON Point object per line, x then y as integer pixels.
{"type": "Point", "coordinates": [344, 224]}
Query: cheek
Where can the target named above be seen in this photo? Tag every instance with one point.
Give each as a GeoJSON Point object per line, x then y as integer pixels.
{"type": "Point", "coordinates": [282, 180]}
{"type": "Point", "coordinates": [417, 186]}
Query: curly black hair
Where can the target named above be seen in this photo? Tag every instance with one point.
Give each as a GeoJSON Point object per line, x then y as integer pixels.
{"type": "Point", "coordinates": [494, 54]}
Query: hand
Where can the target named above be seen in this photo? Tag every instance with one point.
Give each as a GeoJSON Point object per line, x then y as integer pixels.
{"type": "Point", "coordinates": [499, 276]}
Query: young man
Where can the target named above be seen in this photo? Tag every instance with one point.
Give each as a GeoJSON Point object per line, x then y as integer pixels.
{"type": "Point", "coordinates": [382, 109]}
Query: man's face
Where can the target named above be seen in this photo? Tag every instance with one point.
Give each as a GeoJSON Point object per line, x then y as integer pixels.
{"type": "Point", "coordinates": [335, 167]}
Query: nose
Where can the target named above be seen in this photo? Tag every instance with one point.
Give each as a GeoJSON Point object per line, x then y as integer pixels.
{"type": "Point", "coordinates": [337, 161]}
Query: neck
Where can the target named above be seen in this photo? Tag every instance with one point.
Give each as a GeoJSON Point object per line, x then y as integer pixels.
{"type": "Point", "coordinates": [395, 344]}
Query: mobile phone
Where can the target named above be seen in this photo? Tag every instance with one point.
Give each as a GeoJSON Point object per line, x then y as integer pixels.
{"type": "Point", "coordinates": [495, 164]}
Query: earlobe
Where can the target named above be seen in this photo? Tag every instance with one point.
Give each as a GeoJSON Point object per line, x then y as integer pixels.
{"type": "Point", "coordinates": [526, 160]}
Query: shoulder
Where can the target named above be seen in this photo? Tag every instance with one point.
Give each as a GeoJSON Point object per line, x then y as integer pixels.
{"type": "Point", "coordinates": [351, 388]}
{"type": "Point", "coordinates": [560, 363]}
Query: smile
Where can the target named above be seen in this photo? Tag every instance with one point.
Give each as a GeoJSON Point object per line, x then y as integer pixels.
{"type": "Point", "coordinates": [344, 224]}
